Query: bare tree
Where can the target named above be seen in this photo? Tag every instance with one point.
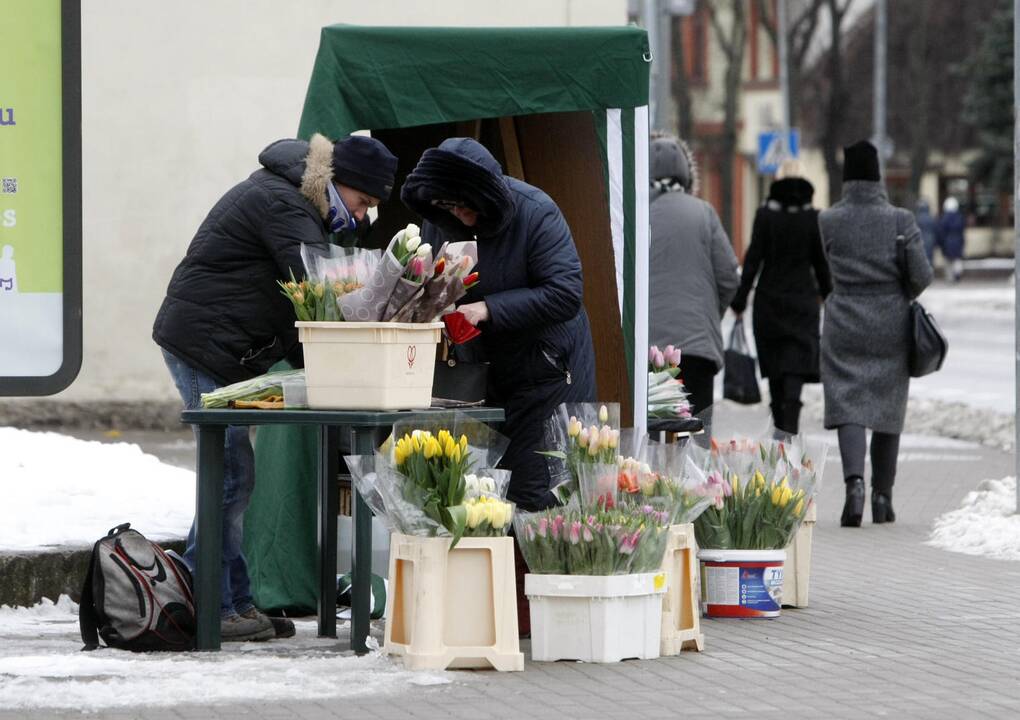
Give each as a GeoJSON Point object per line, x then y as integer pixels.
{"type": "Point", "coordinates": [799, 34]}
{"type": "Point", "coordinates": [732, 41]}
{"type": "Point", "coordinates": [832, 121]}
{"type": "Point", "coordinates": [919, 70]}
{"type": "Point", "coordinates": [679, 82]}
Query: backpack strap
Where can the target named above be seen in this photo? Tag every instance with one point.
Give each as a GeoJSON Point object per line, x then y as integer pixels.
{"type": "Point", "coordinates": [88, 621]}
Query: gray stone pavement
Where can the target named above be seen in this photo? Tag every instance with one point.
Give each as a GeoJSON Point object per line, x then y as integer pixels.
{"type": "Point", "coordinates": [894, 629]}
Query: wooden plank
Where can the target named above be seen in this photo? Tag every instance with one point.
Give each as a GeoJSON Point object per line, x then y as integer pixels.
{"type": "Point", "coordinates": [513, 166]}
{"type": "Point", "coordinates": [559, 154]}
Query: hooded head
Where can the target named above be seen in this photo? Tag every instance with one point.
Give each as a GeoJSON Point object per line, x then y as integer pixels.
{"type": "Point", "coordinates": [950, 205]}
{"type": "Point", "coordinates": [860, 162]}
{"type": "Point", "coordinates": [668, 158]}
{"type": "Point", "coordinates": [460, 173]}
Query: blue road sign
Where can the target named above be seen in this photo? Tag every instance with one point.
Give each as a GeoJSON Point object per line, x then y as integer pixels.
{"type": "Point", "coordinates": [771, 151]}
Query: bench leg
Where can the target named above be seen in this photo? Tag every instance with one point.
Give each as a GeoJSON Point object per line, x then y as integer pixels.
{"type": "Point", "coordinates": [209, 536]}
{"type": "Point", "coordinates": [329, 468]}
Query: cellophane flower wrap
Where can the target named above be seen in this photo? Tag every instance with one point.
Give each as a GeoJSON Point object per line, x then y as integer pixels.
{"type": "Point", "coordinates": [428, 476]}
{"type": "Point", "coordinates": [761, 492]}
{"type": "Point", "coordinates": [596, 541]}
{"type": "Point", "coordinates": [666, 476]}
{"type": "Point", "coordinates": [667, 396]}
{"type": "Point", "coordinates": [578, 434]}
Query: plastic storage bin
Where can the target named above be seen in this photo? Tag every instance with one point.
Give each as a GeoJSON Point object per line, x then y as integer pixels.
{"type": "Point", "coordinates": [452, 608]}
{"type": "Point", "coordinates": [595, 618]}
{"type": "Point", "coordinates": [681, 610]}
{"type": "Point", "coordinates": [369, 366]}
{"type": "Point", "coordinates": [797, 571]}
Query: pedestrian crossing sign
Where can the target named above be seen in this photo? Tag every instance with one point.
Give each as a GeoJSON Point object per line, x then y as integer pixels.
{"type": "Point", "coordinates": [772, 150]}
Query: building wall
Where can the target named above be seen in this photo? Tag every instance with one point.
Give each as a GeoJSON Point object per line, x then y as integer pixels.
{"type": "Point", "coordinates": [177, 101]}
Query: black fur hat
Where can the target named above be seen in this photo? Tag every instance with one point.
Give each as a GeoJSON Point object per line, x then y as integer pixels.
{"type": "Point", "coordinates": [860, 162]}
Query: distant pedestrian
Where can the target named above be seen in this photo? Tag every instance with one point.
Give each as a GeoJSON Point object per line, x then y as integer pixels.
{"type": "Point", "coordinates": [693, 273]}
{"type": "Point", "coordinates": [927, 225]}
{"type": "Point", "coordinates": [865, 337]}
{"type": "Point", "coordinates": [950, 237]}
{"type": "Point", "coordinates": [786, 247]}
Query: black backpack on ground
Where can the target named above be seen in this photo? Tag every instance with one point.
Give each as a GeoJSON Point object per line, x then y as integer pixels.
{"type": "Point", "coordinates": [137, 596]}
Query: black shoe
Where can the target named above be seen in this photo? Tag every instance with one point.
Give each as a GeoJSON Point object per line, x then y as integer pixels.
{"type": "Point", "coordinates": [853, 508]}
{"type": "Point", "coordinates": [881, 508]}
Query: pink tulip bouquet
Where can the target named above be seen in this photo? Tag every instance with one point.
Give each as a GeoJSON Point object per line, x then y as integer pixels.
{"type": "Point", "coordinates": [571, 541]}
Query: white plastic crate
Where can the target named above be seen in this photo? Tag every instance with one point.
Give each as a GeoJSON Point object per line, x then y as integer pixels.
{"type": "Point", "coordinates": [595, 618]}
{"type": "Point", "coordinates": [369, 365]}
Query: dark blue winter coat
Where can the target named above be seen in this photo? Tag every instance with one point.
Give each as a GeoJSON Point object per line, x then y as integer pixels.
{"type": "Point", "coordinates": [537, 338]}
{"type": "Point", "coordinates": [950, 232]}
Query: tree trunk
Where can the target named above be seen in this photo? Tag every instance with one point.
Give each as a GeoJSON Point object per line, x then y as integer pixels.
{"type": "Point", "coordinates": [734, 69]}
{"type": "Point", "coordinates": [920, 82]}
{"type": "Point", "coordinates": [833, 121]}
{"type": "Point", "coordinates": [680, 84]}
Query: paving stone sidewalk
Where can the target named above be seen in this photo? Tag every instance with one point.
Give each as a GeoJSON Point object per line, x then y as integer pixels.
{"type": "Point", "coordinates": [895, 629]}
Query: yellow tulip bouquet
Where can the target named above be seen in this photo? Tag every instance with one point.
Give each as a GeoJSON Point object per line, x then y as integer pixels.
{"type": "Point", "coordinates": [760, 493]}
{"type": "Point", "coordinates": [421, 479]}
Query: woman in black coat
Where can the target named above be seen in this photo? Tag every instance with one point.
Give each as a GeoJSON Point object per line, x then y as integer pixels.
{"type": "Point", "coordinates": [527, 303]}
{"type": "Point", "coordinates": [786, 247]}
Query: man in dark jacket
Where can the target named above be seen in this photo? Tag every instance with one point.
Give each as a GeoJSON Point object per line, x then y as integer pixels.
{"type": "Point", "coordinates": [224, 319]}
{"type": "Point", "coordinates": [528, 303]}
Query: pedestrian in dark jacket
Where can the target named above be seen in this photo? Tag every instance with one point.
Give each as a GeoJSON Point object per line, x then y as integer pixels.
{"type": "Point", "coordinates": [951, 227]}
{"type": "Point", "coordinates": [866, 332]}
{"type": "Point", "coordinates": [528, 302]}
{"type": "Point", "coordinates": [786, 248]}
{"type": "Point", "coordinates": [224, 318]}
{"type": "Point", "coordinates": [693, 270]}
{"type": "Point", "coordinates": [926, 224]}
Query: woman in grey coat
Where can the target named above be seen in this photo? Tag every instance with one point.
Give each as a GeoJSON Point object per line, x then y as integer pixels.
{"type": "Point", "coordinates": [866, 331]}
{"type": "Point", "coordinates": [693, 270]}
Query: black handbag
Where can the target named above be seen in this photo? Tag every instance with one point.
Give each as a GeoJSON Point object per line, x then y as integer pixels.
{"type": "Point", "coordinates": [740, 380]}
{"type": "Point", "coordinates": [928, 345]}
{"type": "Point", "coordinates": [458, 379]}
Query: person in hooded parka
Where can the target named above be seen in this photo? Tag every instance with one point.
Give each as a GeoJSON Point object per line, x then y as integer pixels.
{"type": "Point", "coordinates": [693, 271]}
{"type": "Point", "coordinates": [528, 303]}
{"type": "Point", "coordinates": [786, 257]}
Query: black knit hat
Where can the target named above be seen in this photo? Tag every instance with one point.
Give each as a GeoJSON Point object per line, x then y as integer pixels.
{"type": "Point", "coordinates": [860, 162]}
{"type": "Point", "coordinates": [365, 164]}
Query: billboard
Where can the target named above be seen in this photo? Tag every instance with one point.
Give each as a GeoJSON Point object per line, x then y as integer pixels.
{"type": "Point", "coordinates": [40, 196]}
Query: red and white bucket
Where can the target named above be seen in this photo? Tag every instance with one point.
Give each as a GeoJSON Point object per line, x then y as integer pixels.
{"type": "Point", "coordinates": [741, 583]}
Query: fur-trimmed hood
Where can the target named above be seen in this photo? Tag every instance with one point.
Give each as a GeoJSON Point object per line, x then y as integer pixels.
{"type": "Point", "coordinates": [790, 194]}
{"type": "Point", "coordinates": [671, 157]}
{"type": "Point", "coordinates": [308, 166]}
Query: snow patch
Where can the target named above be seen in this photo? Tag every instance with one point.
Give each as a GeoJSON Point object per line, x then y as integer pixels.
{"type": "Point", "coordinates": [49, 671]}
{"type": "Point", "coordinates": [62, 491]}
{"type": "Point", "coordinates": [986, 524]}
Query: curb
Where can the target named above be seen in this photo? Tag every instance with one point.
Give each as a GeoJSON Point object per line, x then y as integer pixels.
{"type": "Point", "coordinates": [27, 577]}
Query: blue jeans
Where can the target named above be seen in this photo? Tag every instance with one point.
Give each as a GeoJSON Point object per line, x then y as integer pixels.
{"type": "Point", "coordinates": [238, 483]}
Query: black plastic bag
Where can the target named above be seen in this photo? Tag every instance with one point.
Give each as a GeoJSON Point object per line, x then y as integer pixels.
{"type": "Point", "coordinates": [740, 380]}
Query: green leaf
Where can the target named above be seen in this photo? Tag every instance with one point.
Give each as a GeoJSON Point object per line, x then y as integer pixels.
{"type": "Point", "coordinates": [559, 454]}
{"type": "Point", "coordinates": [455, 520]}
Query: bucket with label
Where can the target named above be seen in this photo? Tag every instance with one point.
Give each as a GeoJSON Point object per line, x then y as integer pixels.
{"type": "Point", "coordinates": [741, 583]}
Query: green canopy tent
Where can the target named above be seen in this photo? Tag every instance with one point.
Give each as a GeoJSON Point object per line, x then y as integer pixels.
{"type": "Point", "coordinates": [565, 109]}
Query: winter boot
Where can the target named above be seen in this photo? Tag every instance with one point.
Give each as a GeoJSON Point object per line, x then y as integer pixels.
{"type": "Point", "coordinates": [853, 507]}
{"type": "Point", "coordinates": [881, 506]}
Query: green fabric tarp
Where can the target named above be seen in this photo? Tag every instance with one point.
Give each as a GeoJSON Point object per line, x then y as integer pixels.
{"type": "Point", "coordinates": [374, 78]}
